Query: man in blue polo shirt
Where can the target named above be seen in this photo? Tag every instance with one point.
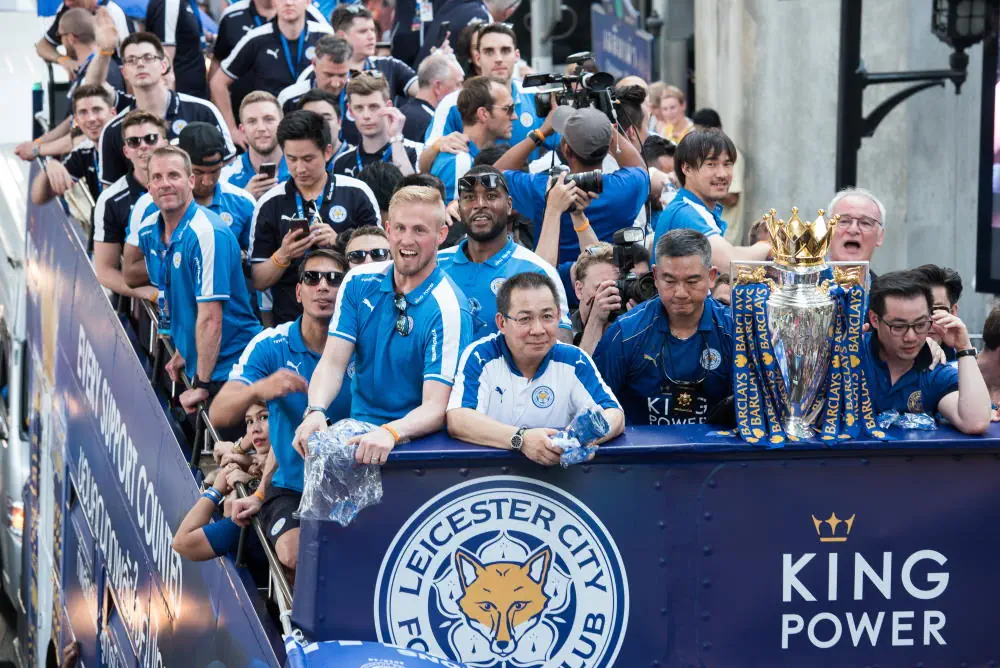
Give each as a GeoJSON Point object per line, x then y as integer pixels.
{"type": "Point", "coordinates": [277, 368]}
{"type": "Point", "coordinates": [587, 136]}
{"type": "Point", "coordinates": [406, 323]}
{"type": "Point", "coordinates": [263, 164]}
{"type": "Point", "coordinates": [703, 163]}
{"type": "Point", "coordinates": [901, 316]}
{"type": "Point", "coordinates": [516, 387]}
{"type": "Point", "coordinates": [193, 259]}
{"type": "Point", "coordinates": [488, 256]}
{"type": "Point", "coordinates": [487, 111]}
{"type": "Point", "coordinates": [669, 359]}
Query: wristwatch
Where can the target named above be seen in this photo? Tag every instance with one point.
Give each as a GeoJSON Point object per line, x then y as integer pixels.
{"type": "Point", "coordinates": [517, 440]}
{"type": "Point", "coordinates": [312, 409]}
{"type": "Point", "coordinates": [197, 383]}
{"type": "Point", "coordinates": [968, 352]}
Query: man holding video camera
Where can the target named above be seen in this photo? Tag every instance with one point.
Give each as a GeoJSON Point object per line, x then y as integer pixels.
{"type": "Point", "coordinates": [587, 137]}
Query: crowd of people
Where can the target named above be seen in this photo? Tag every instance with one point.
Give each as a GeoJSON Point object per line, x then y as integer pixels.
{"type": "Point", "coordinates": [419, 243]}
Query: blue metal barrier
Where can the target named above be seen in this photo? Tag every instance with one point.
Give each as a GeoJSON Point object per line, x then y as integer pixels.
{"type": "Point", "coordinates": [672, 548]}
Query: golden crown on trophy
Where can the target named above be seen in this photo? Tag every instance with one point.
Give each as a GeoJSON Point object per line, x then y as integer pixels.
{"type": "Point", "coordinates": [799, 243]}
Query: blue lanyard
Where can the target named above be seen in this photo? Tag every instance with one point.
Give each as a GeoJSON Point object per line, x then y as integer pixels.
{"type": "Point", "coordinates": [318, 204]}
{"type": "Point", "coordinates": [201, 29]}
{"type": "Point", "coordinates": [96, 162]}
{"type": "Point", "coordinates": [386, 157]}
{"type": "Point", "coordinates": [295, 69]}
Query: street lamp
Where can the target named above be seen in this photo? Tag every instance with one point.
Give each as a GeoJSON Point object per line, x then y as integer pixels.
{"type": "Point", "coordinates": [958, 23]}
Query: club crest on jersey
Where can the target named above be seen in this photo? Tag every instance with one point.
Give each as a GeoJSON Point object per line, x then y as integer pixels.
{"type": "Point", "coordinates": [504, 572]}
{"type": "Point", "coordinates": [915, 402]}
{"type": "Point", "coordinates": [177, 260]}
{"type": "Point", "coordinates": [543, 396]}
{"type": "Point", "coordinates": [496, 284]}
{"type": "Point", "coordinates": [527, 120]}
{"type": "Point", "coordinates": [710, 359]}
{"type": "Point", "coordinates": [226, 217]}
{"type": "Point", "coordinates": [311, 52]}
{"type": "Point", "coordinates": [338, 214]}
{"type": "Point", "coordinates": [178, 125]}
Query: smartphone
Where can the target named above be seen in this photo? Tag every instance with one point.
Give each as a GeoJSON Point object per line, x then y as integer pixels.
{"type": "Point", "coordinates": [443, 28]}
{"type": "Point", "coordinates": [300, 224]}
{"type": "Point", "coordinates": [268, 169]}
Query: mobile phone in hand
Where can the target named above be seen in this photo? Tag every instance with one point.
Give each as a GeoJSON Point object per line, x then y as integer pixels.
{"type": "Point", "coordinates": [300, 224]}
{"type": "Point", "coordinates": [268, 169]}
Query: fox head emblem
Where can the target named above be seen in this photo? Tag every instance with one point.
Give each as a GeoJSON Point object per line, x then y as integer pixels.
{"type": "Point", "coordinates": [503, 600]}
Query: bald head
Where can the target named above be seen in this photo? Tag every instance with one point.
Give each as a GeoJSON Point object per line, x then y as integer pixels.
{"type": "Point", "coordinates": [78, 22]}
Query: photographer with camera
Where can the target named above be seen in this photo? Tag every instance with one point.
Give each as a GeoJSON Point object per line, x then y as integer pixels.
{"type": "Point", "coordinates": [669, 360]}
{"type": "Point", "coordinates": [587, 137]}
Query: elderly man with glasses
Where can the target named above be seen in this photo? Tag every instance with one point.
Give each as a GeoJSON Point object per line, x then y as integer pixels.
{"type": "Point", "coordinates": [861, 227]}
{"type": "Point", "coordinates": [405, 322]}
{"type": "Point", "coordinates": [901, 315]}
{"type": "Point", "coordinates": [515, 388]}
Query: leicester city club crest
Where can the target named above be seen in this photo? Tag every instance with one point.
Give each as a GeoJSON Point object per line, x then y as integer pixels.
{"type": "Point", "coordinates": [710, 359]}
{"type": "Point", "coordinates": [504, 572]}
{"type": "Point", "coordinates": [543, 396]}
{"type": "Point", "coordinates": [338, 214]}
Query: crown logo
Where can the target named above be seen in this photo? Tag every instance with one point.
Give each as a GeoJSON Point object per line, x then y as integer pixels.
{"type": "Point", "coordinates": [833, 522]}
{"type": "Point", "coordinates": [798, 243]}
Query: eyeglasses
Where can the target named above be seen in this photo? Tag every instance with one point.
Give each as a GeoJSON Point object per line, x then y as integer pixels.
{"type": "Point", "coordinates": [377, 255]}
{"type": "Point", "coordinates": [508, 109]}
{"type": "Point", "coordinates": [404, 324]}
{"type": "Point", "coordinates": [333, 278]}
{"type": "Point", "coordinates": [524, 321]}
{"type": "Point", "coordinates": [920, 328]}
{"type": "Point", "coordinates": [147, 59]}
{"type": "Point", "coordinates": [865, 223]}
{"type": "Point", "coordinates": [489, 181]}
{"type": "Point", "coordinates": [352, 9]}
{"type": "Point", "coordinates": [152, 139]}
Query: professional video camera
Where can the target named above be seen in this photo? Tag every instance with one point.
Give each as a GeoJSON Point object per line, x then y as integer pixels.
{"type": "Point", "coordinates": [626, 244]}
{"type": "Point", "coordinates": [586, 89]}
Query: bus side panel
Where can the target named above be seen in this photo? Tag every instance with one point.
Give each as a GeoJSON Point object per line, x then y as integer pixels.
{"type": "Point", "coordinates": [80, 591]}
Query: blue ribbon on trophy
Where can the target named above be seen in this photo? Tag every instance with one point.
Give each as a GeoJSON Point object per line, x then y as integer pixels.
{"type": "Point", "coordinates": [799, 347]}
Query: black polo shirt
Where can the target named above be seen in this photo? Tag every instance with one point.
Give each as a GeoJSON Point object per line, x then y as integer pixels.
{"type": "Point", "coordinates": [353, 160]}
{"type": "Point", "coordinates": [418, 117]}
{"type": "Point", "coordinates": [397, 74]}
{"type": "Point", "coordinates": [347, 203]}
{"type": "Point", "coordinates": [178, 24]}
{"type": "Point", "coordinates": [264, 60]}
{"type": "Point", "coordinates": [181, 110]}
{"type": "Point", "coordinates": [113, 208]}
{"type": "Point", "coordinates": [81, 163]}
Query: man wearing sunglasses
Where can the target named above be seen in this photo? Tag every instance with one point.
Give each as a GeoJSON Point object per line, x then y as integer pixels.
{"type": "Point", "coordinates": [306, 212]}
{"type": "Point", "coordinates": [276, 368]}
{"type": "Point", "coordinates": [898, 369]}
{"type": "Point", "coordinates": [488, 111]}
{"type": "Point", "coordinates": [406, 323]}
{"type": "Point", "coordinates": [142, 133]}
{"type": "Point", "coordinates": [366, 245]}
{"type": "Point", "coordinates": [514, 389]}
{"type": "Point", "coordinates": [488, 256]}
{"type": "Point", "coordinates": [145, 69]}
{"type": "Point", "coordinates": [669, 359]}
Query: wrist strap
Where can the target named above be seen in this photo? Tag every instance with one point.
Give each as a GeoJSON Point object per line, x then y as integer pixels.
{"type": "Point", "coordinates": [259, 494]}
{"type": "Point", "coordinates": [392, 431]}
{"type": "Point", "coordinates": [108, 53]}
{"type": "Point", "coordinates": [582, 227]}
{"type": "Point", "coordinates": [537, 137]}
{"type": "Point", "coordinates": [968, 352]}
{"type": "Point", "coordinates": [278, 263]}
{"type": "Point", "coordinates": [213, 494]}
{"type": "Point", "coordinates": [62, 58]}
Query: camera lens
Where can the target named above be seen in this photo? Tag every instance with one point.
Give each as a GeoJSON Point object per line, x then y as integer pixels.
{"type": "Point", "coordinates": [591, 182]}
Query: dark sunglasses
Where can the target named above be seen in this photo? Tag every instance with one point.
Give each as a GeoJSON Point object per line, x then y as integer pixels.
{"type": "Point", "coordinates": [152, 139]}
{"type": "Point", "coordinates": [333, 278]}
{"type": "Point", "coordinates": [489, 181]}
{"type": "Point", "coordinates": [374, 74]}
{"type": "Point", "coordinates": [378, 255]}
{"type": "Point", "coordinates": [403, 322]}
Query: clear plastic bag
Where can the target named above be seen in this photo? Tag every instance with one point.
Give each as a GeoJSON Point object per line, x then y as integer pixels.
{"type": "Point", "coordinates": [336, 488]}
{"type": "Point", "coordinates": [577, 439]}
{"type": "Point", "coordinates": [921, 421]}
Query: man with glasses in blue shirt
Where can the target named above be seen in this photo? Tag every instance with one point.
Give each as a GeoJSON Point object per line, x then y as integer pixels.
{"type": "Point", "coordinates": [276, 368]}
{"type": "Point", "coordinates": [901, 315]}
{"type": "Point", "coordinates": [406, 323]}
{"type": "Point", "coordinates": [669, 359]}
{"type": "Point", "coordinates": [481, 263]}
{"type": "Point", "coordinates": [515, 388]}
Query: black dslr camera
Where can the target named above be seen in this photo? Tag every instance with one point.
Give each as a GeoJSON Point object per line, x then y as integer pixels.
{"type": "Point", "coordinates": [586, 89]}
{"type": "Point", "coordinates": [591, 181]}
{"type": "Point", "coordinates": [627, 251]}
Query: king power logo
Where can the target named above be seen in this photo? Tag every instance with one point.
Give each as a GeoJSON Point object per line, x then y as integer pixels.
{"type": "Point", "coordinates": [871, 599]}
{"type": "Point", "coordinates": [504, 572]}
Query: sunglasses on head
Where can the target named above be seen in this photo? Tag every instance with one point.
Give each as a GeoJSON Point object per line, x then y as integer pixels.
{"type": "Point", "coordinates": [152, 139]}
{"type": "Point", "coordinates": [333, 278]}
{"type": "Point", "coordinates": [374, 74]}
{"type": "Point", "coordinates": [377, 254]}
{"type": "Point", "coordinates": [403, 322]}
{"type": "Point", "coordinates": [489, 181]}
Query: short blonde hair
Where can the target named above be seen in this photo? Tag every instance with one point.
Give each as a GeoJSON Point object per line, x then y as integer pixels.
{"type": "Point", "coordinates": [259, 96]}
{"type": "Point", "coordinates": [410, 195]}
{"type": "Point", "coordinates": [591, 255]}
{"type": "Point", "coordinates": [170, 150]}
{"type": "Point", "coordinates": [368, 83]}
{"type": "Point", "coordinates": [656, 92]}
{"type": "Point", "coordinates": [674, 92]}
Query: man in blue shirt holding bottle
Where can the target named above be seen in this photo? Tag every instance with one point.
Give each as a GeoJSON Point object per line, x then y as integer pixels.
{"type": "Point", "coordinates": [901, 314]}
{"type": "Point", "coordinates": [277, 368]}
{"type": "Point", "coordinates": [703, 163]}
{"type": "Point", "coordinates": [193, 259]}
{"type": "Point", "coordinates": [669, 359]}
{"type": "Point", "coordinates": [406, 323]}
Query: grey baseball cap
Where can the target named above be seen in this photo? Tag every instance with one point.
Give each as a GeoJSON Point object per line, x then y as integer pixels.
{"type": "Point", "coordinates": [587, 130]}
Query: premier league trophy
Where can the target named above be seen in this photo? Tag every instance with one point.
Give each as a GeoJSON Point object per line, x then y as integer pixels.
{"type": "Point", "coordinates": [798, 339]}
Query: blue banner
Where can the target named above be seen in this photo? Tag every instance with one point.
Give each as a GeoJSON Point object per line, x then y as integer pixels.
{"type": "Point", "coordinates": [618, 47]}
{"type": "Point", "coordinates": [105, 435]}
{"type": "Point", "coordinates": [355, 654]}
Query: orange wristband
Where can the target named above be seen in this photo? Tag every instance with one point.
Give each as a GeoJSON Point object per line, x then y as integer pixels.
{"type": "Point", "coordinates": [259, 494]}
{"type": "Point", "coordinates": [393, 432]}
{"type": "Point", "coordinates": [277, 263]}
